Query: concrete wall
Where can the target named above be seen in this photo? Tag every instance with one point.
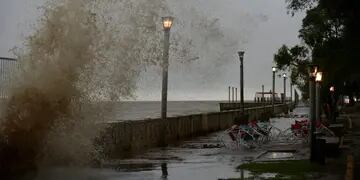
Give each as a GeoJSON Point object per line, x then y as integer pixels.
{"type": "Point", "coordinates": [236, 105]}
{"type": "Point", "coordinates": [139, 135]}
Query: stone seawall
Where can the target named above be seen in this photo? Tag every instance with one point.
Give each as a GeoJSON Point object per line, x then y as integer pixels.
{"type": "Point", "coordinates": [129, 136]}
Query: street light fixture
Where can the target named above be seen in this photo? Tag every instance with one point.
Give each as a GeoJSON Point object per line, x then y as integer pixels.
{"type": "Point", "coordinates": [241, 54]}
{"type": "Point", "coordinates": [318, 77]}
{"type": "Point", "coordinates": [313, 70]}
{"type": "Point", "coordinates": [273, 91]}
{"type": "Point", "coordinates": [332, 89]}
{"type": "Point", "coordinates": [167, 23]}
{"type": "Point", "coordinates": [241, 58]}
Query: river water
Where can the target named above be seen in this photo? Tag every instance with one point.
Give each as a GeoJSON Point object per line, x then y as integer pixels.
{"type": "Point", "coordinates": [138, 110]}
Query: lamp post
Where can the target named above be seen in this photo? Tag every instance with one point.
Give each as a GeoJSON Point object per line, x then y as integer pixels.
{"type": "Point", "coordinates": [236, 95]}
{"type": "Point", "coordinates": [241, 58]}
{"type": "Point", "coordinates": [273, 91]}
{"type": "Point", "coordinates": [291, 91]}
{"type": "Point", "coordinates": [313, 69]}
{"type": "Point", "coordinates": [229, 94]}
{"type": "Point", "coordinates": [263, 96]}
{"type": "Point", "coordinates": [284, 76]}
{"type": "Point", "coordinates": [262, 93]}
{"type": "Point", "coordinates": [332, 104]}
{"type": "Point", "coordinates": [233, 95]}
{"type": "Point", "coordinates": [318, 80]}
{"type": "Point", "coordinates": [167, 23]}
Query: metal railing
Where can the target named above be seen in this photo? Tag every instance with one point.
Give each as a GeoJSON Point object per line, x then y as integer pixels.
{"type": "Point", "coordinates": [7, 68]}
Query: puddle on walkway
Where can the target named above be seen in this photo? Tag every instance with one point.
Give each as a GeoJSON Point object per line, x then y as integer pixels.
{"type": "Point", "coordinates": [278, 155]}
{"type": "Point", "coordinates": [244, 174]}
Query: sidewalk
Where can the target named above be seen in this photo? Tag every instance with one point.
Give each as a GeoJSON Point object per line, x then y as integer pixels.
{"type": "Point", "coordinates": [342, 165]}
{"type": "Point", "coordinates": [347, 164]}
{"type": "Point", "coordinates": [352, 139]}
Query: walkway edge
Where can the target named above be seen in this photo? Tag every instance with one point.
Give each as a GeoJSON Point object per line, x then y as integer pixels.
{"type": "Point", "coordinates": [349, 168]}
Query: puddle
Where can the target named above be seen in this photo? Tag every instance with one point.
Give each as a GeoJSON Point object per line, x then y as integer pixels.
{"type": "Point", "coordinates": [267, 175]}
{"type": "Point", "coordinates": [135, 167]}
{"type": "Point", "coordinates": [202, 146]}
{"type": "Point", "coordinates": [245, 174]}
{"type": "Point", "coordinates": [277, 155]}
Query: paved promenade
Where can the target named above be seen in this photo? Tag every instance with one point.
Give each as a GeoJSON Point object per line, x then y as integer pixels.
{"type": "Point", "coordinates": [352, 138]}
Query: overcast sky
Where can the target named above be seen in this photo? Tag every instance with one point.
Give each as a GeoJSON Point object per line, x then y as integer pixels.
{"type": "Point", "coordinates": [259, 26]}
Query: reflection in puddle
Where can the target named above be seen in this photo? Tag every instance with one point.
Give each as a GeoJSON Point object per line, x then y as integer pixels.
{"type": "Point", "coordinates": [164, 170]}
{"type": "Point", "coordinates": [267, 175]}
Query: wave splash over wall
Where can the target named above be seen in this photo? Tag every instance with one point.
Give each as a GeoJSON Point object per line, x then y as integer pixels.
{"type": "Point", "coordinates": [84, 52]}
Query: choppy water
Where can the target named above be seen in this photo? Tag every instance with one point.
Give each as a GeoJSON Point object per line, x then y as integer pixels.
{"type": "Point", "coordinates": [138, 110]}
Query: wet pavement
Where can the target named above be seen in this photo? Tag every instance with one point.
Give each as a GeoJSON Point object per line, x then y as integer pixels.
{"type": "Point", "coordinates": [352, 139]}
{"type": "Point", "coordinates": [205, 158]}
{"type": "Point", "coordinates": [202, 158]}
{"type": "Point", "coordinates": [190, 160]}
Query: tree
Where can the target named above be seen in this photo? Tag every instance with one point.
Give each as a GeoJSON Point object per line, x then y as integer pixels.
{"type": "Point", "coordinates": [331, 32]}
{"type": "Point", "coordinates": [295, 60]}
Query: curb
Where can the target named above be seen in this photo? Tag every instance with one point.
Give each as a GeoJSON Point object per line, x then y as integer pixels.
{"type": "Point", "coordinates": [349, 168]}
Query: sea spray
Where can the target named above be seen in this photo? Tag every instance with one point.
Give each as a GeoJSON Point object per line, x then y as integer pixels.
{"type": "Point", "coordinates": [78, 56]}
{"type": "Point", "coordinates": [84, 52]}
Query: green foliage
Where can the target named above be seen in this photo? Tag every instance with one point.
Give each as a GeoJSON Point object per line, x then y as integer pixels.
{"type": "Point", "coordinates": [318, 27]}
{"type": "Point", "coordinates": [298, 5]}
{"type": "Point", "coordinates": [296, 60]}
